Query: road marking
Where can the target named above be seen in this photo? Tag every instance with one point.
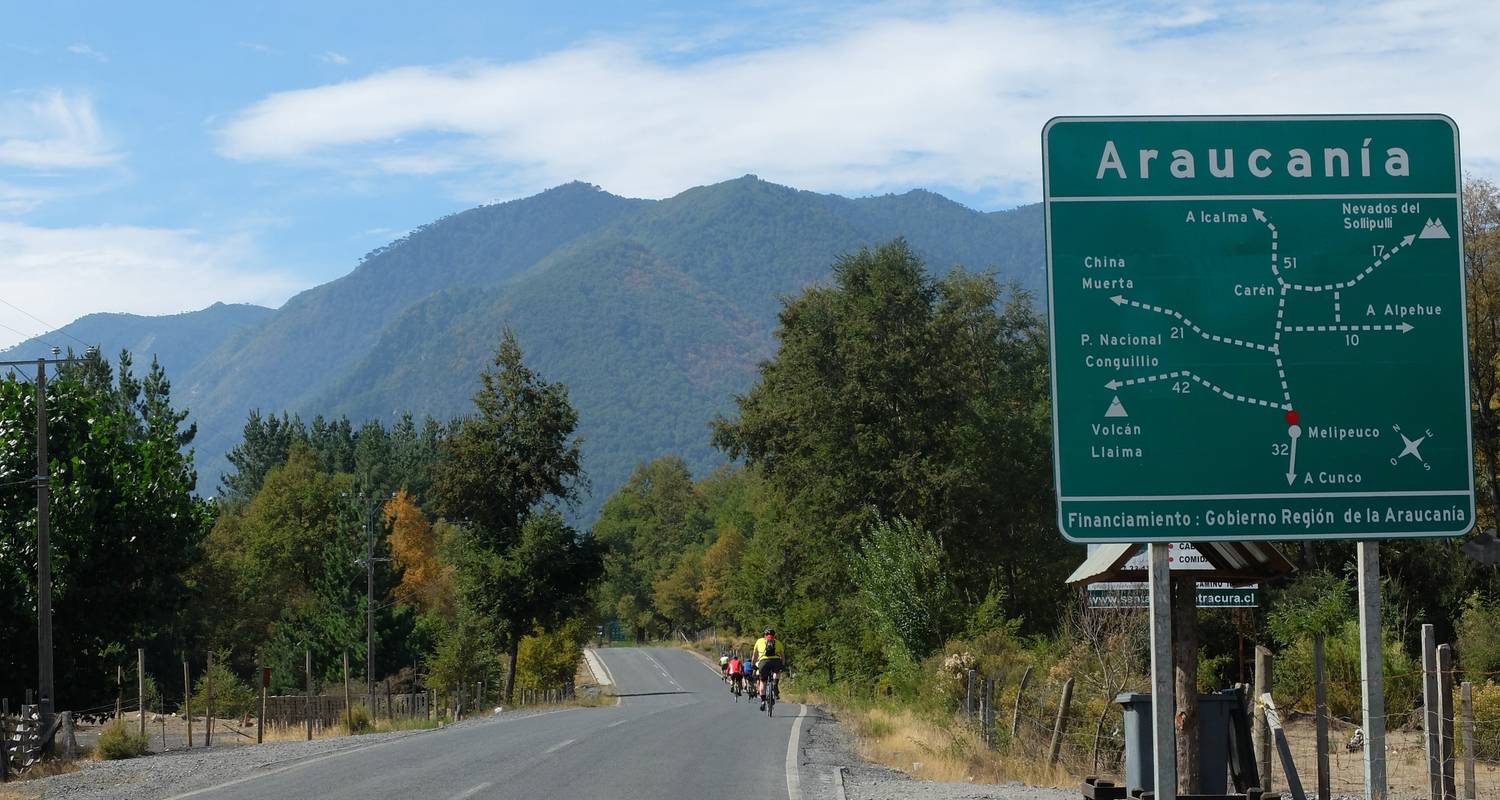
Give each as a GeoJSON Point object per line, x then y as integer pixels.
{"type": "Point", "coordinates": [662, 670]}
{"type": "Point", "coordinates": [793, 772]}
{"type": "Point", "coordinates": [838, 784]}
{"type": "Point", "coordinates": [471, 792]}
{"type": "Point", "coordinates": [287, 768]}
{"type": "Point", "coordinates": [345, 752]}
{"type": "Point", "coordinates": [560, 745]}
{"type": "Point", "coordinates": [617, 722]}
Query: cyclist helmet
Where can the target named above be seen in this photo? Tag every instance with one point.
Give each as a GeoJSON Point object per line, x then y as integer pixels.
{"type": "Point", "coordinates": [770, 632]}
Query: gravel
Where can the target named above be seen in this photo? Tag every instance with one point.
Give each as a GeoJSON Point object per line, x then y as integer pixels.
{"type": "Point", "coordinates": [828, 746]}
{"type": "Point", "coordinates": [177, 771]}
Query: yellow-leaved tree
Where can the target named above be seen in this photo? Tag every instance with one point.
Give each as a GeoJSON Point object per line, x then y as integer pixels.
{"type": "Point", "coordinates": [426, 579]}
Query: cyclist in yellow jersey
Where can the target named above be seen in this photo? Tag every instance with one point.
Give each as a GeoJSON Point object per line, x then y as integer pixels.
{"type": "Point", "coordinates": [770, 659]}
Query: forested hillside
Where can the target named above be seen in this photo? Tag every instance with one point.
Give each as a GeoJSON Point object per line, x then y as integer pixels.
{"type": "Point", "coordinates": [654, 313]}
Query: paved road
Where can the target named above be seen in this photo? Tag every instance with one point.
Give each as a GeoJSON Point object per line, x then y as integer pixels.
{"type": "Point", "coordinates": [677, 733]}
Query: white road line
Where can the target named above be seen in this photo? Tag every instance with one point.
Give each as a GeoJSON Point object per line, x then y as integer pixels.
{"type": "Point", "coordinates": [793, 753]}
{"type": "Point", "coordinates": [662, 669]}
{"type": "Point", "coordinates": [467, 793]}
{"type": "Point", "coordinates": [617, 722]}
{"type": "Point", "coordinates": [556, 747]}
{"type": "Point", "coordinates": [838, 784]}
{"type": "Point", "coordinates": [595, 660]}
{"type": "Point", "coordinates": [350, 751]}
{"type": "Point", "coordinates": [287, 768]}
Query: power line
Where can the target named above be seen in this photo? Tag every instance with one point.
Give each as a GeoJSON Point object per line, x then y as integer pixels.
{"type": "Point", "coordinates": [45, 323]}
{"type": "Point", "coordinates": [25, 335]}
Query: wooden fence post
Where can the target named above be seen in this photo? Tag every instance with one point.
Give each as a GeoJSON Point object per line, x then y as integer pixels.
{"type": "Point", "coordinates": [969, 696]}
{"type": "Point", "coordinates": [187, 702]}
{"type": "Point", "coordinates": [1320, 700]}
{"type": "Point", "coordinates": [1015, 718]}
{"type": "Point", "coordinates": [119, 691]}
{"type": "Point", "coordinates": [1262, 733]}
{"type": "Point", "coordinates": [1062, 722]}
{"type": "Point", "coordinates": [1445, 720]}
{"type": "Point", "coordinates": [390, 710]}
{"type": "Point", "coordinates": [140, 682]}
{"type": "Point", "coordinates": [307, 653]}
{"type": "Point", "coordinates": [1468, 734]}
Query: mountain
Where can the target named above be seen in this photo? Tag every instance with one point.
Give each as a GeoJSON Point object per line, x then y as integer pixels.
{"type": "Point", "coordinates": [655, 313]}
{"type": "Point", "coordinates": [179, 341]}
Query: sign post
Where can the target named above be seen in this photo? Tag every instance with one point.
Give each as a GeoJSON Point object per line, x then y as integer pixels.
{"type": "Point", "coordinates": [1258, 333]}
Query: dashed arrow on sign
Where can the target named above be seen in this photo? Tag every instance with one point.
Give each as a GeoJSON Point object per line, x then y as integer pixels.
{"type": "Point", "coordinates": [1113, 385]}
{"type": "Point", "coordinates": [1118, 299]}
{"type": "Point", "coordinates": [1404, 327]}
{"type": "Point", "coordinates": [1260, 216]}
{"type": "Point", "coordinates": [1411, 237]}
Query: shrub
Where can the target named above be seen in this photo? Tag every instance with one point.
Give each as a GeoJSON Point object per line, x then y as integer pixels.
{"type": "Point", "coordinates": [118, 741]}
{"type": "Point", "coordinates": [359, 719]}
{"type": "Point", "coordinates": [549, 660]}
{"type": "Point", "coordinates": [1479, 636]}
{"type": "Point", "coordinates": [1293, 674]}
{"type": "Point", "coordinates": [232, 697]}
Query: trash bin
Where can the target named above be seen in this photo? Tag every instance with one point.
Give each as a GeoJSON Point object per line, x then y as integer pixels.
{"type": "Point", "coordinates": [1213, 741]}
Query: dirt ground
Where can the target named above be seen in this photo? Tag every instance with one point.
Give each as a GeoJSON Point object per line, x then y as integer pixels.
{"type": "Point", "coordinates": [1406, 764]}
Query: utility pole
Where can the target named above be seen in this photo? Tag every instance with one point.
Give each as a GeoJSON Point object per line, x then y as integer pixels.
{"type": "Point", "coordinates": [43, 551]}
{"type": "Point", "coordinates": [369, 565]}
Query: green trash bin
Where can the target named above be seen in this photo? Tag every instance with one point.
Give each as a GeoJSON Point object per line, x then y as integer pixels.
{"type": "Point", "coordinates": [1213, 741]}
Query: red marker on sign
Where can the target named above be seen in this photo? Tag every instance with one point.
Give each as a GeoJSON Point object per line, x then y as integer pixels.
{"type": "Point", "coordinates": [1292, 418]}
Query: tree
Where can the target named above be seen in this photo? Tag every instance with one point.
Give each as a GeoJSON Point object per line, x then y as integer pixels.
{"type": "Point", "coordinates": [266, 443]}
{"type": "Point", "coordinates": [426, 580]}
{"type": "Point", "coordinates": [893, 394]}
{"type": "Point", "coordinates": [521, 570]}
{"type": "Point", "coordinates": [902, 580]}
{"type": "Point", "coordinates": [719, 564]}
{"type": "Point", "coordinates": [538, 583]}
{"type": "Point", "coordinates": [1481, 237]}
{"type": "Point", "coordinates": [517, 452]}
{"type": "Point", "coordinates": [267, 561]}
{"type": "Point", "coordinates": [124, 523]}
{"type": "Point", "coordinates": [676, 593]}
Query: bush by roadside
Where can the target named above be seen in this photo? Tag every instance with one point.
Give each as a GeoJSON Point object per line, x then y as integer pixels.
{"type": "Point", "coordinates": [118, 741]}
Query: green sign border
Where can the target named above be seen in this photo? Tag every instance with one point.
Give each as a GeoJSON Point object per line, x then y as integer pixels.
{"type": "Point", "coordinates": [1125, 536]}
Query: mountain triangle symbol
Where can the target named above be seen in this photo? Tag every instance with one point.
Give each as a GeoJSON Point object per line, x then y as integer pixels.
{"type": "Point", "coordinates": [1116, 408]}
{"type": "Point", "coordinates": [1434, 230]}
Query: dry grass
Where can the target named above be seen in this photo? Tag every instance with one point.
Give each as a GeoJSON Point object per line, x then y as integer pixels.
{"type": "Point", "coordinates": [937, 750]}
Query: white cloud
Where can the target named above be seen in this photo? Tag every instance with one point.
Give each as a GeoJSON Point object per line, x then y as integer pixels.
{"type": "Point", "coordinates": [82, 49]}
{"type": "Point", "coordinates": [331, 57]}
{"type": "Point", "coordinates": [874, 103]}
{"type": "Point", "coordinates": [60, 274]}
{"type": "Point", "coordinates": [51, 130]}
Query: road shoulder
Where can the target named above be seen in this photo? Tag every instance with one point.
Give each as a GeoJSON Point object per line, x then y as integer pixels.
{"type": "Point", "coordinates": [830, 763]}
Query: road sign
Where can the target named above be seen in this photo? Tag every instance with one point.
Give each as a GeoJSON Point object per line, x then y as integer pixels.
{"type": "Point", "coordinates": [1184, 557]}
{"type": "Point", "coordinates": [1258, 328]}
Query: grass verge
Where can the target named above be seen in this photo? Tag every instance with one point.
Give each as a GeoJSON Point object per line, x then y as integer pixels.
{"type": "Point", "coordinates": [933, 748]}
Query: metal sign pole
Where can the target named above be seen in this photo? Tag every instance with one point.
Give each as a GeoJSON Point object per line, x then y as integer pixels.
{"type": "Point", "coordinates": [1372, 673]}
{"type": "Point", "coordinates": [1163, 730]}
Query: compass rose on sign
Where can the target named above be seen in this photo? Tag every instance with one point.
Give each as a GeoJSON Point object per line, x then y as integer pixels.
{"type": "Point", "coordinates": [1411, 447]}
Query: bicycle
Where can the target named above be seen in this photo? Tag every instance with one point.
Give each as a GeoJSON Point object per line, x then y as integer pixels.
{"type": "Point", "coordinates": [772, 692]}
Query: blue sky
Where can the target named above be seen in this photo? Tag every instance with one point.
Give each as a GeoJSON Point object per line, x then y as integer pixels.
{"type": "Point", "coordinates": [157, 157]}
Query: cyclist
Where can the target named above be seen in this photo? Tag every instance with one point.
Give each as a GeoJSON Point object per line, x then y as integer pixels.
{"type": "Point", "coordinates": [736, 679]}
{"type": "Point", "coordinates": [724, 667]}
{"type": "Point", "coordinates": [770, 658]}
{"type": "Point", "coordinates": [747, 672]}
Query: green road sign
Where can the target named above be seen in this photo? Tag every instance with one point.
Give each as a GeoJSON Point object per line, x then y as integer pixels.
{"type": "Point", "coordinates": [1257, 328]}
